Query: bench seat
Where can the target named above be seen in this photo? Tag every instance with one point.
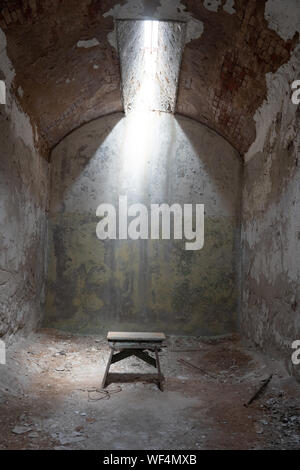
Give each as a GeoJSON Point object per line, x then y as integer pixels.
{"type": "Point", "coordinates": [132, 343]}
{"type": "Point", "coordinates": [135, 336]}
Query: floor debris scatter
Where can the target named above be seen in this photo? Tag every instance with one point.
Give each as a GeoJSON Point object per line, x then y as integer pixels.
{"type": "Point", "coordinates": [51, 397]}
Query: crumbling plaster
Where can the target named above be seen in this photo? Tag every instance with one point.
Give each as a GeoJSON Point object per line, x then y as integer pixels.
{"type": "Point", "coordinates": [271, 221]}
{"type": "Point", "coordinates": [230, 47]}
{"type": "Point", "coordinates": [283, 17]}
{"type": "Point", "coordinates": [167, 10]}
{"type": "Point", "coordinates": [23, 203]}
{"type": "Point", "coordinates": [239, 61]}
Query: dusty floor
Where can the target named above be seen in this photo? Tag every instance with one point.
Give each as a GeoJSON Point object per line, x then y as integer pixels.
{"type": "Point", "coordinates": [48, 398]}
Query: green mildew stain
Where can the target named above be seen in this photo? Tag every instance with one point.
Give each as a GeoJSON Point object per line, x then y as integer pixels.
{"type": "Point", "coordinates": [97, 285]}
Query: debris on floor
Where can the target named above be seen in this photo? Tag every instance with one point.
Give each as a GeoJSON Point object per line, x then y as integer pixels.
{"type": "Point", "coordinates": [51, 397]}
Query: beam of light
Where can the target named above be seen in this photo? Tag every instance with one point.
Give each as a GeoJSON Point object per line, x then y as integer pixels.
{"type": "Point", "coordinates": [151, 36]}
{"type": "Point", "coordinates": [145, 97]}
{"type": "Point", "coordinates": [140, 123]}
{"type": "Point", "coordinates": [138, 148]}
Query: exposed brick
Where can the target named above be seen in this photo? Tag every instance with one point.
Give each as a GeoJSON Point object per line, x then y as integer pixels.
{"type": "Point", "coordinates": [6, 15]}
{"type": "Point", "coordinates": [221, 72]}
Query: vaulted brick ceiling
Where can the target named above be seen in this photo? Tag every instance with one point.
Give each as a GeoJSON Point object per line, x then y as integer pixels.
{"type": "Point", "coordinates": [60, 86]}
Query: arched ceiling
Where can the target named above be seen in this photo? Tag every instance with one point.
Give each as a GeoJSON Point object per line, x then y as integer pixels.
{"type": "Point", "coordinates": [61, 86]}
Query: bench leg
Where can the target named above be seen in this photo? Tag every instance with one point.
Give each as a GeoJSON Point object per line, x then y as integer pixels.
{"type": "Point", "coordinates": [145, 357]}
{"type": "Point", "coordinates": [160, 378]}
{"type": "Point", "coordinates": [107, 368]}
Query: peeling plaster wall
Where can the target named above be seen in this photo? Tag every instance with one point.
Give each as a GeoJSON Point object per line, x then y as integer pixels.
{"type": "Point", "coordinates": [271, 221]}
{"type": "Point", "coordinates": [212, 5]}
{"type": "Point", "coordinates": [283, 17]}
{"type": "Point", "coordinates": [68, 69]}
{"type": "Point", "coordinates": [162, 10]}
{"type": "Point", "coordinates": [98, 285]}
{"type": "Point", "coordinates": [23, 227]}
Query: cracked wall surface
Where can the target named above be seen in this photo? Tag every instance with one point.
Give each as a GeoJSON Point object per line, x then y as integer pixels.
{"type": "Point", "coordinates": [60, 62]}
{"type": "Point", "coordinates": [230, 47]}
{"type": "Point", "coordinates": [23, 227]}
{"type": "Point", "coordinates": [98, 285]}
{"type": "Point", "coordinates": [271, 221]}
{"type": "Point", "coordinates": [23, 200]}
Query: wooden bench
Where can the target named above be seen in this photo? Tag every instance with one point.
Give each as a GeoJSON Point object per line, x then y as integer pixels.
{"type": "Point", "coordinates": [134, 344]}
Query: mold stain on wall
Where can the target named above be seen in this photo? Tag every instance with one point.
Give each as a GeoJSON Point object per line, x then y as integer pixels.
{"type": "Point", "coordinates": [97, 285]}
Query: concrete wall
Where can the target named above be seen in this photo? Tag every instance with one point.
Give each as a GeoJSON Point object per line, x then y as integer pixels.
{"type": "Point", "coordinates": [24, 194]}
{"type": "Point", "coordinates": [271, 221]}
{"type": "Point", "coordinates": [23, 199]}
{"type": "Point", "coordinates": [98, 285]}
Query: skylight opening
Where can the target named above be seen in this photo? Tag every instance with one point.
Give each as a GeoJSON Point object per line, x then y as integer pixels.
{"type": "Point", "coordinates": [150, 54]}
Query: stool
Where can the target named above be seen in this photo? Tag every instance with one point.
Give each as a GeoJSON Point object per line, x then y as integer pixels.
{"type": "Point", "coordinates": [135, 344]}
